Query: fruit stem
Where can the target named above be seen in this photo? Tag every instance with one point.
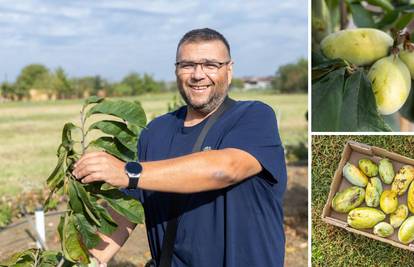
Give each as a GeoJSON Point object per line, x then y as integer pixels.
{"type": "Point", "coordinates": [351, 68]}
{"type": "Point", "coordinates": [343, 14]}
{"type": "Point", "coordinates": [410, 27]}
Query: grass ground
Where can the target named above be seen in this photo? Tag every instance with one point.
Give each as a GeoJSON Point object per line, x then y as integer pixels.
{"type": "Point", "coordinates": [333, 246]}
{"type": "Point", "coordinates": [30, 132]}
{"type": "Point", "coordinates": [135, 252]}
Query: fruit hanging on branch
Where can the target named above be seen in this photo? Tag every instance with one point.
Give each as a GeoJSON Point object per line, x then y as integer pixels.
{"type": "Point", "coordinates": [407, 56]}
{"type": "Point", "coordinates": [374, 80]}
{"type": "Point", "coordinates": [361, 34]}
{"type": "Point", "coordinates": [391, 83]}
{"type": "Point", "coordinates": [86, 213]}
{"type": "Point", "coordinates": [357, 46]}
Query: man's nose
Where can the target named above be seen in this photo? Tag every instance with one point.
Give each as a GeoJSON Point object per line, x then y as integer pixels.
{"type": "Point", "coordinates": [198, 73]}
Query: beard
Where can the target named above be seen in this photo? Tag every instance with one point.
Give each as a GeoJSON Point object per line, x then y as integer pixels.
{"type": "Point", "coordinates": [214, 100]}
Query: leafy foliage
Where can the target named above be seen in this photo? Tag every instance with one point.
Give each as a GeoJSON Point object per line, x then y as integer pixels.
{"type": "Point", "coordinates": [345, 102]}
{"type": "Point", "coordinates": [86, 213]}
{"type": "Point", "coordinates": [175, 103]}
{"type": "Point", "coordinates": [292, 78]}
{"type": "Point", "coordinates": [359, 111]}
{"type": "Point", "coordinates": [5, 215]}
{"type": "Point", "coordinates": [28, 77]}
{"type": "Point", "coordinates": [35, 256]}
{"type": "Point", "coordinates": [342, 97]}
{"type": "Point", "coordinates": [327, 100]}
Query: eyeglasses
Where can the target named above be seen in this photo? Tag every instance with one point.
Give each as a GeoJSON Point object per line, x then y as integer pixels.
{"type": "Point", "coordinates": [208, 67]}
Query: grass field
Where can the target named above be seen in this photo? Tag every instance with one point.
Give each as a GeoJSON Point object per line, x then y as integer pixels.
{"type": "Point", "coordinates": [30, 132]}
{"type": "Point", "coordinates": [333, 246]}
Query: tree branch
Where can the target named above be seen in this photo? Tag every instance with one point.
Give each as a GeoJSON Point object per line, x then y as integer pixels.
{"type": "Point", "coordinates": [343, 14]}
{"type": "Point", "coordinates": [410, 27]}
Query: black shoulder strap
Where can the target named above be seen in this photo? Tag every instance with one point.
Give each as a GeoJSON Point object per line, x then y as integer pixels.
{"type": "Point", "coordinates": [227, 103]}
{"type": "Point", "coordinates": [170, 232]}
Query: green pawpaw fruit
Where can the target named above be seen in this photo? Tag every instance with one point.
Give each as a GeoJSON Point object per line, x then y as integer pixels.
{"type": "Point", "coordinates": [391, 84]}
{"type": "Point", "coordinates": [361, 46]}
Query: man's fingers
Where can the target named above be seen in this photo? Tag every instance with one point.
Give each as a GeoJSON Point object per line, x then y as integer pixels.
{"type": "Point", "coordinates": [93, 177]}
{"type": "Point", "coordinates": [90, 155]}
{"type": "Point", "coordinates": [89, 161]}
{"type": "Point", "coordinates": [85, 170]}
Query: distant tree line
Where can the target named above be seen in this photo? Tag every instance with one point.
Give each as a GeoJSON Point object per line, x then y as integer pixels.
{"type": "Point", "coordinates": [291, 78]}
{"type": "Point", "coordinates": [38, 79]}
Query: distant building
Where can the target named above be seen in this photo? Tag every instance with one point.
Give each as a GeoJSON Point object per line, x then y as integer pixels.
{"type": "Point", "coordinates": [260, 83]}
{"type": "Point", "coordinates": [41, 95]}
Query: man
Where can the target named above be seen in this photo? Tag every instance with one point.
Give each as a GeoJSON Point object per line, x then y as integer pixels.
{"type": "Point", "coordinates": [230, 201]}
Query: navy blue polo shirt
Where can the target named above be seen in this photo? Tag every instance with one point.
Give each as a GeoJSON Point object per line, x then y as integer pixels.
{"type": "Point", "coordinates": [241, 225]}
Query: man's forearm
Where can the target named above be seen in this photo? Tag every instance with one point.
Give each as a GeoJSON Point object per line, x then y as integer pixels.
{"type": "Point", "coordinates": [192, 173]}
{"type": "Point", "coordinates": [110, 245]}
{"type": "Point", "coordinates": [198, 172]}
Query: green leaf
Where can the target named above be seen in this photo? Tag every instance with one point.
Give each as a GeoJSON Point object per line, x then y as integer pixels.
{"type": "Point", "coordinates": [57, 175]}
{"type": "Point", "coordinates": [388, 19]}
{"type": "Point", "coordinates": [93, 100]}
{"type": "Point", "coordinates": [318, 58]}
{"type": "Point", "coordinates": [359, 110]}
{"type": "Point", "coordinates": [407, 110]}
{"type": "Point", "coordinates": [135, 129]}
{"type": "Point", "coordinates": [74, 248]}
{"type": "Point", "coordinates": [87, 203]}
{"type": "Point", "coordinates": [403, 21]}
{"type": "Point", "coordinates": [74, 201]}
{"type": "Point", "coordinates": [67, 141]}
{"type": "Point", "coordinates": [333, 7]}
{"type": "Point", "coordinates": [51, 202]}
{"type": "Point", "coordinates": [362, 17]}
{"type": "Point", "coordinates": [125, 205]}
{"type": "Point", "coordinates": [384, 4]}
{"type": "Point", "coordinates": [21, 259]}
{"type": "Point", "coordinates": [327, 96]}
{"type": "Point", "coordinates": [119, 130]}
{"type": "Point", "coordinates": [406, 8]}
{"type": "Point", "coordinates": [61, 230]}
{"type": "Point", "coordinates": [94, 187]}
{"type": "Point", "coordinates": [114, 147]}
{"type": "Point", "coordinates": [87, 232]}
{"type": "Point", "coordinates": [130, 112]}
{"type": "Point", "coordinates": [108, 225]}
{"type": "Point", "coordinates": [325, 67]}
{"type": "Point", "coordinates": [50, 258]}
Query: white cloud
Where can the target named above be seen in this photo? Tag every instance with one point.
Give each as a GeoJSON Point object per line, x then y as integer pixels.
{"type": "Point", "coordinates": [154, 6]}
{"type": "Point", "coordinates": [111, 37]}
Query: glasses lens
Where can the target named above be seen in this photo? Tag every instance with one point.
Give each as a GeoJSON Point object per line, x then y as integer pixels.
{"type": "Point", "coordinates": [209, 67]}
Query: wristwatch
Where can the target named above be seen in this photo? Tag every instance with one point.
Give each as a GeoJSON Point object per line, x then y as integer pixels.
{"type": "Point", "coordinates": [133, 169]}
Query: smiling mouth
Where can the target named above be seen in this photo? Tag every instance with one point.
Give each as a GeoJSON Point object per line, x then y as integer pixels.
{"type": "Point", "coordinates": [199, 88]}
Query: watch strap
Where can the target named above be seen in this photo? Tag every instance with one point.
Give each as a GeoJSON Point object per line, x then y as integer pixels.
{"type": "Point", "coordinates": [132, 183]}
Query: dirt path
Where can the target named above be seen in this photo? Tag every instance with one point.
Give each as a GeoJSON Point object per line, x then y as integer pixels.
{"type": "Point", "coordinates": [135, 252]}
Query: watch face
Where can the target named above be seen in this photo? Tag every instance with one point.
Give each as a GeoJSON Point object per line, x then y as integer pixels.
{"type": "Point", "coordinates": [133, 167]}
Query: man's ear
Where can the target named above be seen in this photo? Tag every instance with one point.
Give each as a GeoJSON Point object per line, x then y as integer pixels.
{"type": "Point", "coordinates": [229, 72]}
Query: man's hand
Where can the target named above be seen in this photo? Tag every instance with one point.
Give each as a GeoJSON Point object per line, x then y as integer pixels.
{"type": "Point", "coordinates": [100, 166]}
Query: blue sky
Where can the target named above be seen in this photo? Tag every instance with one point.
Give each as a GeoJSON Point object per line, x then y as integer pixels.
{"type": "Point", "coordinates": [112, 38]}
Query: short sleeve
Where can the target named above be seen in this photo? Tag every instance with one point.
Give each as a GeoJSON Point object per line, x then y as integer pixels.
{"type": "Point", "coordinates": [256, 133]}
